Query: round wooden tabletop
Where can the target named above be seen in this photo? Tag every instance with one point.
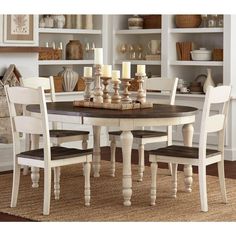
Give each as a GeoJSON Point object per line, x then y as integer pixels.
{"type": "Point", "coordinates": [158, 111]}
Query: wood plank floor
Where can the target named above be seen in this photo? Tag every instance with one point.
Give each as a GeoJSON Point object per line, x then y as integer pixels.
{"type": "Point", "coordinates": [230, 172]}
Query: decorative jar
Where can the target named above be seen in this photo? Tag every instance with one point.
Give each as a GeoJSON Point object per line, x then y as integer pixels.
{"type": "Point", "coordinates": [59, 21]}
{"type": "Point", "coordinates": [70, 78]}
{"type": "Point", "coordinates": [209, 81]}
{"type": "Point", "coordinates": [74, 50]}
{"type": "Point", "coordinates": [135, 22]}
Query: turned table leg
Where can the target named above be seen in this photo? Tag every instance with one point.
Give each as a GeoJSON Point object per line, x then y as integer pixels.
{"type": "Point", "coordinates": [126, 141]}
{"type": "Point", "coordinates": [188, 171]}
{"type": "Point", "coordinates": [96, 151]}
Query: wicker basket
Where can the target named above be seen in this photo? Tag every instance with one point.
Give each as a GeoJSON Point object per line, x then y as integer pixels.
{"type": "Point", "coordinates": [58, 83]}
{"type": "Point", "coordinates": [188, 21]}
{"type": "Point", "coordinates": [152, 21]}
{"type": "Point", "coordinates": [50, 54]}
{"type": "Point", "coordinates": [80, 86]}
{"type": "Point", "coordinates": [217, 54]}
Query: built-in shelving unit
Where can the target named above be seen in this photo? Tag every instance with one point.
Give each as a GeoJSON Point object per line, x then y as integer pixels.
{"type": "Point", "coordinates": [68, 31]}
{"type": "Point", "coordinates": [196, 30]}
{"type": "Point", "coordinates": [139, 31]}
{"type": "Point", "coordinates": [196, 63]}
{"type": "Point", "coordinates": [140, 62]}
{"type": "Point", "coordinates": [64, 62]}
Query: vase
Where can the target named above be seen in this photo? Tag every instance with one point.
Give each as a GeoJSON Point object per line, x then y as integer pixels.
{"type": "Point", "coordinates": [74, 50]}
{"type": "Point", "coordinates": [78, 21]}
{"type": "Point", "coordinates": [68, 22]}
{"type": "Point", "coordinates": [135, 22]}
{"type": "Point", "coordinates": [70, 78]}
{"type": "Point", "coordinates": [209, 81]}
{"type": "Point", "coordinates": [89, 22]}
{"type": "Point", "coordinates": [59, 21]}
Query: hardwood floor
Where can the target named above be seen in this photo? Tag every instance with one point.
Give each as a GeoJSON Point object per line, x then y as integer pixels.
{"type": "Point", "coordinates": [230, 172]}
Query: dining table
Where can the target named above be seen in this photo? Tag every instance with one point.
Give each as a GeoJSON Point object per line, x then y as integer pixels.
{"type": "Point", "coordinates": [125, 121]}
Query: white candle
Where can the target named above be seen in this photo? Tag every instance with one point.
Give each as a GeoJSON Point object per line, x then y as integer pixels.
{"type": "Point", "coordinates": [88, 71]}
{"type": "Point", "coordinates": [98, 56]}
{"type": "Point", "coordinates": [126, 69]}
{"type": "Point", "coordinates": [141, 70]}
{"type": "Point", "coordinates": [106, 70]}
{"type": "Point", "coordinates": [115, 75]}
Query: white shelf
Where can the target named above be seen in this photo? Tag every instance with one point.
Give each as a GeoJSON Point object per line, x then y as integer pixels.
{"type": "Point", "coordinates": [68, 31]}
{"type": "Point", "coordinates": [196, 30]}
{"type": "Point", "coordinates": [140, 62]}
{"type": "Point", "coordinates": [139, 31]}
{"type": "Point", "coordinates": [189, 95]}
{"type": "Point", "coordinates": [196, 63]}
{"type": "Point", "coordinates": [64, 62]}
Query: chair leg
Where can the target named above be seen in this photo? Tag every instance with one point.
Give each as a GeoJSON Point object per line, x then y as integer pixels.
{"type": "Point", "coordinates": [153, 183]}
{"type": "Point", "coordinates": [188, 178]}
{"type": "Point", "coordinates": [84, 143]}
{"type": "Point", "coordinates": [141, 162]}
{"type": "Point", "coordinates": [221, 173]}
{"type": "Point", "coordinates": [15, 186]}
{"type": "Point", "coordinates": [35, 177]}
{"type": "Point", "coordinates": [87, 168]}
{"type": "Point", "coordinates": [170, 168]}
{"type": "Point", "coordinates": [203, 187]}
{"type": "Point", "coordinates": [25, 170]}
{"type": "Point", "coordinates": [113, 156]}
{"type": "Point", "coordinates": [174, 179]}
{"type": "Point", "coordinates": [57, 174]}
{"type": "Point", "coordinates": [47, 190]}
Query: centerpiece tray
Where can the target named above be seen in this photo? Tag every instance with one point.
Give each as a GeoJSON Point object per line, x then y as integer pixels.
{"type": "Point", "coordinates": [113, 106]}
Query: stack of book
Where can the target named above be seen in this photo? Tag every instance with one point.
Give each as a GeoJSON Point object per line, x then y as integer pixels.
{"type": "Point", "coordinates": [183, 50]}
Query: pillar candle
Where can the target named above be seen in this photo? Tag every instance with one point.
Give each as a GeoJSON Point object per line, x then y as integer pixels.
{"type": "Point", "coordinates": [126, 69]}
{"type": "Point", "coordinates": [106, 70]}
{"type": "Point", "coordinates": [98, 56]}
{"type": "Point", "coordinates": [115, 75]}
{"type": "Point", "coordinates": [141, 70]}
{"type": "Point", "coordinates": [88, 71]}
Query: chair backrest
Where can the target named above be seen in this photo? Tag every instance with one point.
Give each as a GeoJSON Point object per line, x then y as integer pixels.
{"type": "Point", "coordinates": [214, 123]}
{"type": "Point", "coordinates": [165, 85]}
{"type": "Point", "coordinates": [25, 123]}
{"type": "Point", "coordinates": [47, 83]}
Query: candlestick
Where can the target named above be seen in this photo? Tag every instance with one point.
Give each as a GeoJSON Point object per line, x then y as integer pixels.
{"type": "Point", "coordinates": [98, 56]}
{"type": "Point", "coordinates": [141, 94]}
{"type": "Point", "coordinates": [115, 75]}
{"type": "Point", "coordinates": [126, 93]}
{"type": "Point", "coordinates": [88, 72]}
{"type": "Point", "coordinates": [87, 91]}
{"type": "Point", "coordinates": [106, 96]}
{"type": "Point", "coordinates": [116, 98]}
{"type": "Point", "coordinates": [106, 71]}
{"type": "Point", "coordinates": [98, 90]}
{"type": "Point", "coordinates": [126, 69]}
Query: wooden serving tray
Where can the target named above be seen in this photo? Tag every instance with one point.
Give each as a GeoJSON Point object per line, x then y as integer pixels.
{"type": "Point", "coordinates": [113, 106]}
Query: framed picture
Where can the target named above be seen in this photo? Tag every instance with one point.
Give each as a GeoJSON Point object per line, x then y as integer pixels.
{"type": "Point", "coordinates": [19, 29]}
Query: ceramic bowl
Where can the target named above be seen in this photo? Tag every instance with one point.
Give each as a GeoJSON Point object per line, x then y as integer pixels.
{"type": "Point", "coordinates": [201, 55]}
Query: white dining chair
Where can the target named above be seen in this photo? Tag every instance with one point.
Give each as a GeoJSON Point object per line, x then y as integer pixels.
{"type": "Point", "coordinates": [142, 137]}
{"type": "Point", "coordinates": [198, 156]}
{"type": "Point", "coordinates": [47, 157]}
{"type": "Point", "coordinates": [57, 136]}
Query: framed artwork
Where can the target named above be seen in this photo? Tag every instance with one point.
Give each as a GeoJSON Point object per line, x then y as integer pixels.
{"type": "Point", "coordinates": [19, 29]}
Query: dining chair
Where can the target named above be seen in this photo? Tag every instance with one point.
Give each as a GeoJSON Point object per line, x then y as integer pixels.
{"type": "Point", "coordinates": [142, 137]}
{"type": "Point", "coordinates": [57, 136]}
{"type": "Point", "coordinates": [199, 156]}
{"type": "Point", "coordinates": [47, 157]}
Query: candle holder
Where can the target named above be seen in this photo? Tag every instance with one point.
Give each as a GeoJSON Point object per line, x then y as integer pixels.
{"type": "Point", "coordinates": [126, 93]}
{"type": "Point", "coordinates": [141, 94]}
{"type": "Point", "coordinates": [87, 91]}
{"type": "Point", "coordinates": [106, 96]}
{"type": "Point", "coordinates": [116, 98]}
{"type": "Point", "coordinates": [98, 98]}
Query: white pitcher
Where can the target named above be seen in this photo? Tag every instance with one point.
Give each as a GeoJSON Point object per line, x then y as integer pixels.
{"type": "Point", "coordinates": [154, 46]}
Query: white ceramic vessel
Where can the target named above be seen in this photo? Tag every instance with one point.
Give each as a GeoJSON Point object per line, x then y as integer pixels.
{"type": "Point", "coordinates": [201, 55]}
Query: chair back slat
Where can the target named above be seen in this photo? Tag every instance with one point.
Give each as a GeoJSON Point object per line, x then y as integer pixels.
{"type": "Point", "coordinates": [215, 123]}
{"type": "Point", "coordinates": [19, 95]}
{"type": "Point", "coordinates": [163, 85]}
{"type": "Point", "coordinates": [28, 125]}
{"type": "Point", "coordinates": [44, 82]}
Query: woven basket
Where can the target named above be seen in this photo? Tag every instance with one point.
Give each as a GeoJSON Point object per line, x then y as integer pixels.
{"type": "Point", "coordinates": [152, 21]}
{"type": "Point", "coordinates": [58, 83]}
{"type": "Point", "coordinates": [188, 21]}
{"type": "Point", "coordinates": [80, 86]}
{"type": "Point", "coordinates": [217, 54]}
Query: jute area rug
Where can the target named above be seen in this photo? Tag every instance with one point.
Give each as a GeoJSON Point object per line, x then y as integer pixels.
{"type": "Point", "coordinates": [107, 200]}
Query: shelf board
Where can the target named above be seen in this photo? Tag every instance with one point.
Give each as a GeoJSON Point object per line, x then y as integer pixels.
{"type": "Point", "coordinates": [64, 62]}
{"type": "Point", "coordinates": [197, 30]}
{"type": "Point", "coordinates": [15, 49]}
{"type": "Point", "coordinates": [140, 62]}
{"type": "Point", "coordinates": [139, 31]}
{"type": "Point", "coordinates": [196, 63]}
{"type": "Point", "coordinates": [179, 95]}
{"type": "Point", "coordinates": [68, 31]}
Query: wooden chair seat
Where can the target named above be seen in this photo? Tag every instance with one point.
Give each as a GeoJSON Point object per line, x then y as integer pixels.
{"type": "Point", "coordinates": [57, 153]}
{"type": "Point", "coordinates": [182, 151]}
{"type": "Point", "coordinates": [65, 133]}
{"type": "Point", "coordinates": [142, 133]}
